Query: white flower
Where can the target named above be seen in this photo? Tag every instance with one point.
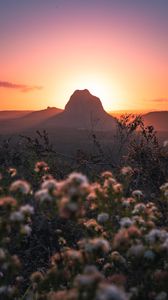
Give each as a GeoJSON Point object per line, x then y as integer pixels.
{"type": "Point", "coordinates": [27, 209]}
{"type": "Point", "coordinates": [26, 229]}
{"type": "Point", "coordinates": [156, 235]}
{"type": "Point", "coordinates": [102, 218]}
{"type": "Point", "coordinates": [126, 222]}
{"type": "Point", "coordinates": [43, 195]}
{"type": "Point", "coordinates": [50, 184]}
{"type": "Point", "coordinates": [78, 178]}
{"type": "Point", "coordinates": [164, 187]}
{"type": "Point", "coordinates": [139, 208]}
{"type": "Point", "coordinates": [110, 292]}
{"type": "Point", "coordinates": [137, 194]}
{"type": "Point", "coordinates": [17, 216]}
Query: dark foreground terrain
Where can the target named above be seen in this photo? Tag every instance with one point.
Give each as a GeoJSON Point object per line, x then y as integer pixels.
{"type": "Point", "coordinates": [84, 217]}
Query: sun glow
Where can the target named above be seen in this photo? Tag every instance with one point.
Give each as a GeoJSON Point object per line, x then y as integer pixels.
{"type": "Point", "coordinates": [98, 87]}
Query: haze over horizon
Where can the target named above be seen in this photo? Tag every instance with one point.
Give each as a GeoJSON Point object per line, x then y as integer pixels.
{"type": "Point", "coordinates": [116, 49]}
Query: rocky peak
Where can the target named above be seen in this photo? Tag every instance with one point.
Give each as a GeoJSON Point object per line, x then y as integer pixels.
{"type": "Point", "coordinates": [83, 102]}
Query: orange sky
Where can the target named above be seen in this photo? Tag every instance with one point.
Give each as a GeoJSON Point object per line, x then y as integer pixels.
{"type": "Point", "coordinates": [119, 54]}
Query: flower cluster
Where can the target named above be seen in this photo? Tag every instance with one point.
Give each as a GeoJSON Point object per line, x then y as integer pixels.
{"type": "Point", "coordinates": [100, 243]}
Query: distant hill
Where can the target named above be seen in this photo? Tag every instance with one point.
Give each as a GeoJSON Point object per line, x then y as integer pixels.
{"type": "Point", "coordinates": [119, 113]}
{"type": "Point", "coordinates": [83, 111]}
{"type": "Point", "coordinates": [159, 119]}
{"type": "Point", "coordinates": [13, 114]}
{"type": "Point", "coordinates": [30, 120]}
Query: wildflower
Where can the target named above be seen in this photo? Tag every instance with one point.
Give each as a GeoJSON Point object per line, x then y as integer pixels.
{"type": "Point", "coordinates": [43, 196]}
{"type": "Point", "coordinates": [136, 250]}
{"type": "Point", "coordinates": [26, 230]}
{"type": "Point", "coordinates": [166, 194]}
{"type": "Point", "coordinates": [73, 256]}
{"type": "Point", "coordinates": [68, 209]}
{"type": "Point", "coordinates": [118, 188]}
{"type": "Point", "coordinates": [138, 220]}
{"type": "Point", "coordinates": [164, 246]}
{"type": "Point", "coordinates": [110, 292]}
{"type": "Point", "coordinates": [118, 258]}
{"type": "Point", "coordinates": [133, 232]}
{"type": "Point", "coordinates": [161, 296]}
{"type": "Point", "coordinates": [2, 254]}
{"type": "Point", "coordinates": [90, 277]}
{"type": "Point", "coordinates": [137, 194]}
{"type": "Point", "coordinates": [27, 209]}
{"type": "Point", "coordinates": [76, 185]}
{"type": "Point", "coordinates": [41, 166]}
{"type": "Point", "coordinates": [109, 183]}
{"type": "Point", "coordinates": [165, 144]}
{"type": "Point", "coordinates": [92, 224]}
{"type": "Point", "coordinates": [17, 216]}
{"type": "Point", "coordinates": [126, 222]}
{"type": "Point", "coordinates": [156, 236]}
{"type": "Point", "coordinates": [77, 178]}
{"type": "Point", "coordinates": [8, 201]}
{"type": "Point", "coordinates": [12, 172]}
{"type": "Point", "coordinates": [21, 186]}
{"type": "Point", "coordinates": [50, 184]}
{"type": "Point", "coordinates": [36, 277]}
{"type": "Point", "coordinates": [164, 187]}
{"type": "Point", "coordinates": [107, 175]}
{"type": "Point", "coordinates": [46, 177]}
{"type": "Point", "coordinates": [15, 261]}
{"type": "Point", "coordinates": [126, 203]}
{"type": "Point", "coordinates": [139, 208]}
{"type": "Point", "coordinates": [121, 238]}
{"type": "Point", "coordinates": [102, 218]}
{"type": "Point", "coordinates": [127, 171]}
{"type": "Point", "coordinates": [95, 245]}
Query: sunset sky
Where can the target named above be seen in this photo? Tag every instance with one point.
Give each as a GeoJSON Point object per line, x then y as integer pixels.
{"type": "Point", "coordinates": [118, 49]}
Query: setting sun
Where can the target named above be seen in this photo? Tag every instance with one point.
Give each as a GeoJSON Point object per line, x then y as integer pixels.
{"type": "Point", "coordinates": [99, 87]}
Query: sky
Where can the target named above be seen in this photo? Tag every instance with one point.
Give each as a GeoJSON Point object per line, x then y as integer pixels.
{"type": "Point", "coordinates": [118, 49]}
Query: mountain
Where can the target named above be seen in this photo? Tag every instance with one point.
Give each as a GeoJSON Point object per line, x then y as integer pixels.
{"type": "Point", "coordinates": [30, 120]}
{"type": "Point", "coordinates": [159, 119]}
{"type": "Point", "coordinates": [83, 111]}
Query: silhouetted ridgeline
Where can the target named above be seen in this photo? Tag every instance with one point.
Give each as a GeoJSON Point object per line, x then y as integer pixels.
{"type": "Point", "coordinates": [82, 112]}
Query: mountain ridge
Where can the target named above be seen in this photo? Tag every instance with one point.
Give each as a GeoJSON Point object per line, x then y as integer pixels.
{"type": "Point", "coordinates": [83, 111]}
